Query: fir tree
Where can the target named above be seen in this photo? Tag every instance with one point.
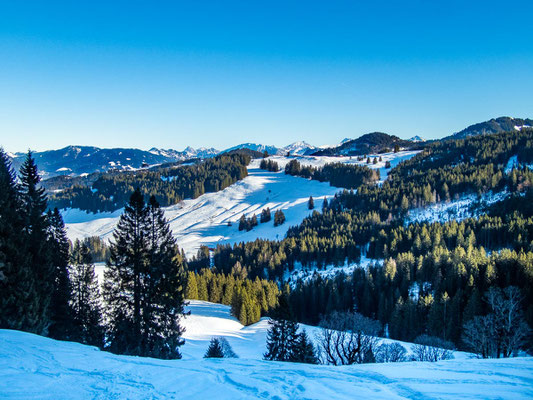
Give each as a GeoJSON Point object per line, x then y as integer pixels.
{"type": "Point", "coordinates": [62, 322]}
{"type": "Point", "coordinates": [36, 239]}
{"type": "Point", "coordinates": [125, 273]}
{"type": "Point", "coordinates": [282, 336]}
{"type": "Point", "coordinates": [145, 283]}
{"type": "Point", "coordinates": [18, 291]}
{"type": "Point", "coordinates": [215, 349]}
{"type": "Point", "coordinates": [311, 203]}
{"type": "Point", "coordinates": [279, 218]}
{"type": "Point", "coordinates": [85, 303]}
{"type": "Point", "coordinates": [304, 351]}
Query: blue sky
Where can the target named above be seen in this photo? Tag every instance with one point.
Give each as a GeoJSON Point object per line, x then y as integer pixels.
{"type": "Point", "coordinates": [202, 73]}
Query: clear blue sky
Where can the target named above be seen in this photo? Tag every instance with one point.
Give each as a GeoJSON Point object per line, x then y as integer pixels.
{"type": "Point", "coordinates": [202, 73]}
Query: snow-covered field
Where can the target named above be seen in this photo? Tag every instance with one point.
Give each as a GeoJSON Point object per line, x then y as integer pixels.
{"type": "Point", "coordinates": [205, 220]}
{"type": "Point", "coordinates": [34, 367]}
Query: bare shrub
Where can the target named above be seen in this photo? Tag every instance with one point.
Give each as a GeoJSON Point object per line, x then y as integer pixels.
{"type": "Point", "coordinates": [390, 352]}
{"type": "Point", "coordinates": [431, 348]}
{"type": "Point", "coordinates": [348, 338]}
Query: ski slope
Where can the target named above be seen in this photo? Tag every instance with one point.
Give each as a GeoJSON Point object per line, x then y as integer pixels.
{"type": "Point", "coordinates": [34, 367]}
{"type": "Point", "coordinates": [206, 219]}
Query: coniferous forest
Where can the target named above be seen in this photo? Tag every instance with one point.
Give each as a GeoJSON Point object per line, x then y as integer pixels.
{"type": "Point", "coordinates": [446, 282]}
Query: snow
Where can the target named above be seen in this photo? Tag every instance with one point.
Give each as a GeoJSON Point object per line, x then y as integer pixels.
{"type": "Point", "coordinates": [34, 367]}
{"type": "Point", "coordinates": [204, 220]}
{"type": "Point", "coordinates": [466, 206]}
{"type": "Point", "coordinates": [319, 161]}
{"type": "Point", "coordinates": [512, 163]}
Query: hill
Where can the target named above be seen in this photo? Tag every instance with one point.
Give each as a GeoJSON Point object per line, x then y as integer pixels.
{"type": "Point", "coordinates": [495, 125]}
{"type": "Point", "coordinates": [34, 367]}
{"type": "Point", "coordinates": [371, 143]}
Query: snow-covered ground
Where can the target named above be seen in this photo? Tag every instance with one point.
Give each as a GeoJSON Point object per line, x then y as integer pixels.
{"type": "Point", "coordinates": [318, 161]}
{"type": "Point", "coordinates": [34, 367]}
{"type": "Point", "coordinates": [205, 220]}
{"type": "Point", "coordinates": [467, 206]}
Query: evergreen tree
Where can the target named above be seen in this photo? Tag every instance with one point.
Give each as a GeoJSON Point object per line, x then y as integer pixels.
{"type": "Point", "coordinates": [311, 203]}
{"type": "Point", "coordinates": [145, 283]}
{"type": "Point", "coordinates": [279, 218]}
{"type": "Point", "coordinates": [125, 273]}
{"type": "Point", "coordinates": [18, 291]}
{"type": "Point", "coordinates": [62, 319]}
{"type": "Point", "coordinates": [282, 336]}
{"type": "Point", "coordinates": [192, 287]}
{"type": "Point", "coordinates": [215, 349]}
{"type": "Point", "coordinates": [304, 351]}
{"type": "Point", "coordinates": [36, 247]}
{"type": "Point", "coordinates": [85, 303]}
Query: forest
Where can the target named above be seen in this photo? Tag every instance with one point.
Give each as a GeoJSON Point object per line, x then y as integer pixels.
{"type": "Point", "coordinates": [169, 185]}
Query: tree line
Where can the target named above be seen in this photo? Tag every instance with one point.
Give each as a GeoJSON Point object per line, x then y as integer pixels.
{"type": "Point", "coordinates": [169, 185]}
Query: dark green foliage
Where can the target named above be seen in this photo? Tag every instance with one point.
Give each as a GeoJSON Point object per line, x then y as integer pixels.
{"type": "Point", "coordinates": [279, 218]}
{"type": "Point", "coordinates": [347, 176]}
{"type": "Point", "coordinates": [111, 191]}
{"type": "Point", "coordinates": [310, 203]}
{"type": "Point", "coordinates": [98, 248]}
{"type": "Point", "coordinates": [86, 306]}
{"type": "Point", "coordinates": [215, 349]}
{"type": "Point", "coordinates": [269, 165]}
{"type": "Point", "coordinates": [248, 224]}
{"type": "Point", "coordinates": [249, 299]}
{"type": "Point", "coordinates": [266, 215]}
{"type": "Point", "coordinates": [61, 315]}
{"type": "Point", "coordinates": [282, 336]}
{"type": "Point", "coordinates": [38, 255]}
{"type": "Point", "coordinates": [144, 283]}
{"type": "Point", "coordinates": [17, 283]}
{"type": "Point", "coordinates": [304, 351]}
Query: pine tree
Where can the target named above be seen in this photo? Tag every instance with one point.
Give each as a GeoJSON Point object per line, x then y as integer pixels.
{"type": "Point", "coordinates": [311, 203]}
{"type": "Point", "coordinates": [85, 303]}
{"type": "Point", "coordinates": [192, 287]}
{"type": "Point", "coordinates": [17, 283]}
{"type": "Point", "coordinates": [279, 218]}
{"type": "Point", "coordinates": [62, 319]}
{"type": "Point", "coordinates": [36, 239]}
{"type": "Point", "coordinates": [304, 351]}
{"type": "Point", "coordinates": [124, 275]}
{"type": "Point", "coordinates": [215, 349]}
{"type": "Point", "coordinates": [145, 283]}
{"type": "Point", "coordinates": [282, 336]}
{"type": "Point", "coordinates": [166, 288]}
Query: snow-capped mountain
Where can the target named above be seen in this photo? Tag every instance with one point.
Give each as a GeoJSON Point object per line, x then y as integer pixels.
{"type": "Point", "coordinates": [188, 153]}
{"type": "Point", "coordinates": [299, 148]}
{"type": "Point", "coordinates": [79, 160]}
{"type": "Point", "coordinates": [261, 148]}
{"type": "Point", "coordinates": [416, 139]}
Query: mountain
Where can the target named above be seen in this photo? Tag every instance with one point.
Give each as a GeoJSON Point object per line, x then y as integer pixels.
{"type": "Point", "coordinates": [375, 142]}
{"type": "Point", "coordinates": [299, 148]}
{"type": "Point", "coordinates": [416, 139]}
{"type": "Point", "coordinates": [255, 147]}
{"type": "Point", "coordinates": [77, 160]}
{"type": "Point", "coordinates": [495, 125]}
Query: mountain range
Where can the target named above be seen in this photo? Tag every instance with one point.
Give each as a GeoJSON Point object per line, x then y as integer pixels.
{"type": "Point", "coordinates": [80, 160]}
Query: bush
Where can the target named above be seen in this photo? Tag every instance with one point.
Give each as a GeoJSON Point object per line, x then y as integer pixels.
{"type": "Point", "coordinates": [390, 352]}
{"type": "Point", "coordinates": [431, 348]}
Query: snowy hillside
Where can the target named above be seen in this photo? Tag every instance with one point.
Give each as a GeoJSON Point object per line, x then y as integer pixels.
{"type": "Point", "coordinates": [34, 367]}
{"type": "Point", "coordinates": [205, 220]}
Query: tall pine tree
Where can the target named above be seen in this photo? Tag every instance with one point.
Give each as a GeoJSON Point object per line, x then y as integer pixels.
{"type": "Point", "coordinates": [144, 283]}
{"type": "Point", "coordinates": [282, 336]}
{"type": "Point", "coordinates": [62, 318]}
{"type": "Point", "coordinates": [86, 306]}
{"type": "Point", "coordinates": [36, 247]}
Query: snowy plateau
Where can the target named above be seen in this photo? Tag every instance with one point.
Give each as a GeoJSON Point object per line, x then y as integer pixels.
{"type": "Point", "coordinates": [35, 367]}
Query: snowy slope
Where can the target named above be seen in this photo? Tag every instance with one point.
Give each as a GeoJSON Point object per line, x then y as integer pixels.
{"type": "Point", "coordinates": [34, 367]}
{"type": "Point", "coordinates": [204, 220]}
